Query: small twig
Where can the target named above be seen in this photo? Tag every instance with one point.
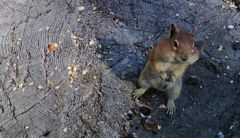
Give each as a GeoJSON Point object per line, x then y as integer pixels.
{"type": "Point", "coordinates": [89, 125]}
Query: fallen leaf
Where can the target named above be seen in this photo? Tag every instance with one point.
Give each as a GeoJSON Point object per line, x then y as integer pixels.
{"type": "Point", "coordinates": [151, 126]}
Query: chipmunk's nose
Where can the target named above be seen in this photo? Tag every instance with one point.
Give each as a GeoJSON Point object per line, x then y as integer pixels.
{"type": "Point", "coordinates": [184, 58]}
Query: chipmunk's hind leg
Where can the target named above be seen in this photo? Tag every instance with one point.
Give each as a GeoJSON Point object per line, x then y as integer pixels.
{"type": "Point", "coordinates": [172, 94]}
{"type": "Point", "coordinates": [144, 86]}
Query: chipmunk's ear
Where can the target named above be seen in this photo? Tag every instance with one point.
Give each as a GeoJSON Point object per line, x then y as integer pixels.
{"type": "Point", "coordinates": [194, 29]}
{"type": "Point", "coordinates": [173, 30]}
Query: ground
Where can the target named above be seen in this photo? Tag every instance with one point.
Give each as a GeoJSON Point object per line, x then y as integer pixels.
{"type": "Point", "coordinates": [84, 88]}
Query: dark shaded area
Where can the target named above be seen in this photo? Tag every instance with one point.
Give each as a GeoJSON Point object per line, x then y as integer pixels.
{"type": "Point", "coordinates": [126, 62]}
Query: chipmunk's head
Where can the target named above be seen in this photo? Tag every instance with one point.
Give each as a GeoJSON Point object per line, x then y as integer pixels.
{"type": "Point", "coordinates": [182, 43]}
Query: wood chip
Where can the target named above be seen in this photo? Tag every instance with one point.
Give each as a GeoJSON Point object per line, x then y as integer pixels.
{"type": "Point", "coordinates": [53, 47]}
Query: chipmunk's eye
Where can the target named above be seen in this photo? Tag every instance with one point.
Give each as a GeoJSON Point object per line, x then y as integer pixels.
{"type": "Point", "coordinates": [175, 44]}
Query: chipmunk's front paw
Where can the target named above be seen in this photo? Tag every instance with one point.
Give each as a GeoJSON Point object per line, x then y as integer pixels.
{"type": "Point", "coordinates": [170, 107]}
{"type": "Point", "coordinates": [163, 75]}
{"type": "Point", "coordinates": [172, 78]}
{"type": "Point", "coordinates": [137, 93]}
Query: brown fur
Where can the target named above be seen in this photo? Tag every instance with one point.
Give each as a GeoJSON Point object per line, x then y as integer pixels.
{"type": "Point", "coordinates": [167, 64]}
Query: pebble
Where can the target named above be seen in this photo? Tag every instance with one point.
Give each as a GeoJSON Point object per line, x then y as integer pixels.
{"type": "Point", "coordinates": [20, 85]}
{"type": "Point", "coordinates": [232, 6]}
{"type": "Point", "coordinates": [177, 14]}
{"type": "Point", "coordinates": [163, 106]}
{"type": "Point", "coordinates": [92, 42]}
{"type": "Point", "coordinates": [94, 8]}
{"type": "Point", "coordinates": [191, 4]}
{"type": "Point", "coordinates": [26, 127]}
{"type": "Point", "coordinates": [81, 8]}
{"type": "Point", "coordinates": [19, 39]}
{"type": "Point", "coordinates": [57, 87]}
{"type": "Point", "coordinates": [14, 88]}
{"type": "Point", "coordinates": [220, 134]}
{"type": "Point", "coordinates": [40, 87]}
{"type": "Point", "coordinates": [220, 48]}
{"type": "Point", "coordinates": [99, 56]}
{"type": "Point", "coordinates": [65, 130]}
{"type": "Point", "coordinates": [111, 13]}
{"type": "Point", "coordinates": [84, 72]}
{"type": "Point", "coordinates": [47, 28]}
{"type": "Point", "coordinates": [230, 26]}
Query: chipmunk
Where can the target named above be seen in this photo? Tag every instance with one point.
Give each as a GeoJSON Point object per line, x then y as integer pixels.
{"type": "Point", "coordinates": [167, 63]}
